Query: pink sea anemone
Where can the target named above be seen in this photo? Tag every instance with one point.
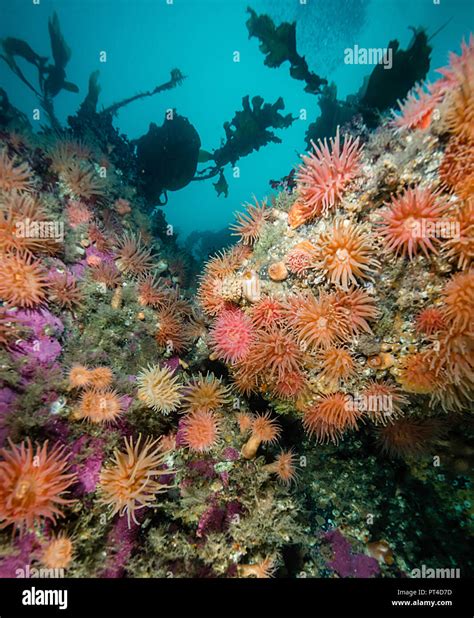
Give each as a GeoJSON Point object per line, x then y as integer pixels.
{"type": "Point", "coordinates": [232, 335]}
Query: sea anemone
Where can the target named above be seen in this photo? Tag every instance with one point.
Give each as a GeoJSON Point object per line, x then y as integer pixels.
{"type": "Point", "coordinates": [274, 353]}
{"type": "Point", "coordinates": [152, 292]}
{"type": "Point", "coordinates": [330, 417]}
{"type": "Point", "coordinates": [13, 175]}
{"type": "Point", "coordinates": [457, 167]}
{"type": "Point", "coordinates": [205, 392]}
{"type": "Point", "coordinates": [284, 467]}
{"type": "Point", "coordinates": [170, 331]}
{"type": "Point", "coordinates": [416, 375]}
{"type": "Point", "coordinates": [200, 430]}
{"type": "Point", "coordinates": [64, 291]}
{"type": "Point", "coordinates": [231, 335]}
{"type": "Point", "coordinates": [337, 365]}
{"type": "Point", "coordinates": [458, 297]}
{"type": "Point", "coordinates": [24, 226]}
{"type": "Point", "coordinates": [429, 321]}
{"type": "Point", "coordinates": [277, 271]}
{"type": "Point", "coordinates": [122, 207]}
{"type": "Point", "coordinates": [106, 273]}
{"type": "Point", "coordinates": [301, 258]}
{"type": "Point", "coordinates": [78, 214]}
{"type": "Point", "coordinates": [79, 376]}
{"type": "Point", "coordinates": [460, 246]}
{"type": "Point", "coordinates": [346, 252]}
{"type": "Point", "coordinates": [264, 429]}
{"type": "Point", "coordinates": [82, 181]}
{"type": "Point", "coordinates": [412, 222]}
{"type": "Point", "coordinates": [159, 389]}
{"type": "Point", "coordinates": [358, 307]}
{"type": "Point", "coordinates": [210, 296]}
{"type": "Point", "coordinates": [32, 484]}
{"type": "Point", "coordinates": [319, 322]}
{"type": "Point", "coordinates": [226, 262]}
{"type": "Point", "coordinates": [100, 377]}
{"type": "Point", "coordinates": [133, 257]}
{"type": "Point", "coordinates": [129, 483]}
{"type": "Point", "coordinates": [267, 312]}
{"type": "Point", "coordinates": [325, 174]}
{"type": "Point", "coordinates": [290, 385]}
{"type": "Point", "coordinates": [259, 570]}
{"type": "Point", "coordinates": [417, 109]}
{"type": "Point", "coordinates": [245, 421]}
{"type": "Point", "coordinates": [23, 281]}
{"type": "Point", "coordinates": [408, 437]}
{"type": "Point", "coordinates": [99, 406]}
{"type": "Point", "coordinates": [382, 401]}
{"type": "Point", "coordinates": [58, 552]}
{"type": "Point", "coordinates": [249, 224]}
{"type": "Point", "coordinates": [459, 117]}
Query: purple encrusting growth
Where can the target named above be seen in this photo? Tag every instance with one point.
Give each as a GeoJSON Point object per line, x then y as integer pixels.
{"type": "Point", "coordinates": [88, 470]}
{"type": "Point", "coordinates": [121, 542]}
{"type": "Point", "coordinates": [217, 518]}
{"type": "Point", "coordinates": [345, 562]}
{"type": "Point", "coordinates": [23, 550]}
{"type": "Point", "coordinates": [7, 400]}
{"type": "Point", "coordinates": [40, 346]}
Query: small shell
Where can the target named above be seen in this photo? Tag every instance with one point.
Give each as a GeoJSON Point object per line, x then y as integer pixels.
{"type": "Point", "coordinates": [140, 315]}
{"type": "Point", "coordinates": [251, 286]}
{"type": "Point", "coordinates": [277, 271]}
{"type": "Point", "coordinates": [384, 360]}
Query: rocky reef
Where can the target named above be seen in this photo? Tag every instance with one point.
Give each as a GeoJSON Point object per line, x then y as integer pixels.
{"type": "Point", "coordinates": [306, 412]}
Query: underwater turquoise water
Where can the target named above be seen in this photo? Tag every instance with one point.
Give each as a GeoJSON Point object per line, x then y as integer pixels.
{"type": "Point", "coordinates": [145, 39]}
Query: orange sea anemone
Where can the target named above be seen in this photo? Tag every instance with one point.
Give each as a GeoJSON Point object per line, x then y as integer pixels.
{"type": "Point", "coordinates": [32, 484]}
{"type": "Point", "coordinates": [14, 175]}
{"type": "Point", "coordinates": [264, 429]}
{"type": "Point", "coordinates": [347, 254]}
{"type": "Point", "coordinates": [337, 365]}
{"type": "Point", "coordinates": [460, 247]}
{"type": "Point", "coordinates": [133, 258]}
{"type": "Point", "coordinates": [359, 308]}
{"type": "Point", "coordinates": [260, 570]}
{"type": "Point", "coordinates": [416, 375]}
{"type": "Point", "coordinates": [267, 312]}
{"type": "Point", "coordinates": [319, 322]}
{"type": "Point", "coordinates": [458, 297]}
{"type": "Point", "coordinates": [459, 117]}
{"type": "Point", "coordinates": [58, 552]}
{"type": "Point", "coordinates": [159, 389]}
{"type": "Point", "coordinates": [22, 280]}
{"type": "Point", "coordinates": [284, 467]}
{"type": "Point", "coordinates": [382, 402]}
{"type": "Point", "coordinates": [205, 392]}
{"type": "Point", "coordinates": [325, 174]}
{"type": "Point", "coordinates": [129, 483]}
{"type": "Point", "coordinates": [226, 262]}
{"type": "Point", "coordinates": [170, 330]}
{"type": "Point", "coordinates": [413, 221]}
{"type": "Point", "coordinates": [79, 376]}
{"type": "Point", "coordinates": [82, 181]}
{"type": "Point", "coordinates": [64, 291]}
{"type": "Point", "coordinates": [457, 167]}
{"type": "Point", "coordinates": [99, 406]}
{"type": "Point", "coordinates": [330, 417]}
{"type": "Point", "coordinates": [417, 109]}
{"type": "Point", "coordinates": [201, 430]}
{"type": "Point", "coordinates": [152, 292]}
{"type": "Point", "coordinates": [245, 421]}
{"type": "Point", "coordinates": [249, 224]}
{"type": "Point", "coordinates": [101, 377]}
{"type": "Point", "coordinates": [290, 385]}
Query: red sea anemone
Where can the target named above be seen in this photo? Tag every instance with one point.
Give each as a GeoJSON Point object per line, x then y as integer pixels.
{"type": "Point", "coordinates": [358, 307]}
{"type": "Point", "coordinates": [408, 437]}
{"type": "Point", "coordinates": [133, 257]}
{"type": "Point", "coordinates": [32, 484]}
{"type": "Point", "coordinates": [267, 312]}
{"type": "Point", "coordinates": [412, 222]}
{"type": "Point", "coordinates": [64, 291]}
{"type": "Point", "coordinates": [337, 365]}
{"type": "Point", "coordinates": [382, 402]}
{"type": "Point", "coordinates": [458, 297]}
{"type": "Point", "coordinates": [461, 246]}
{"type": "Point", "coordinates": [231, 335]}
{"type": "Point", "coordinates": [325, 174]}
{"type": "Point", "coordinates": [429, 321]}
{"type": "Point", "coordinates": [417, 109]}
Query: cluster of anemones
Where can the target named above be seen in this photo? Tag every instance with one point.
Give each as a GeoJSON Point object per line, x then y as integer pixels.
{"type": "Point", "coordinates": [98, 402]}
